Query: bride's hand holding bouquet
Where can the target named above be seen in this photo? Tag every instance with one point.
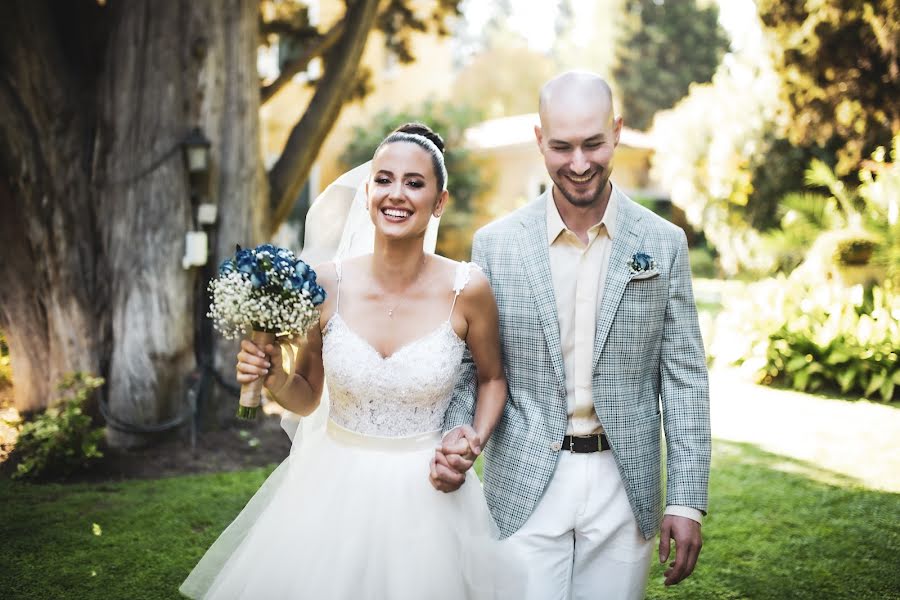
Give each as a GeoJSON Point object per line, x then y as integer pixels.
{"type": "Point", "coordinates": [272, 295]}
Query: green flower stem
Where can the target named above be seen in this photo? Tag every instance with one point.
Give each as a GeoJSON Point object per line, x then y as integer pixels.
{"type": "Point", "coordinates": [247, 413]}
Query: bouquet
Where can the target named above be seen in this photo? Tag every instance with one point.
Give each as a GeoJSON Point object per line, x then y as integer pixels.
{"type": "Point", "coordinates": [270, 294]}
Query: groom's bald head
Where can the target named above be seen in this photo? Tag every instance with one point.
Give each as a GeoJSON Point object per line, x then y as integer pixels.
{"type": "Point", "coordinates": [574, 88]}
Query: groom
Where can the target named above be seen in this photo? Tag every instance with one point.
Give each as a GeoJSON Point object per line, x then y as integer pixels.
{"type": "Point", "coordinates": [601, 344]}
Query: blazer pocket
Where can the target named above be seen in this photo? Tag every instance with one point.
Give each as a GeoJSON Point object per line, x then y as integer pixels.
{"type": "Point", "coordinates": [645, 275]}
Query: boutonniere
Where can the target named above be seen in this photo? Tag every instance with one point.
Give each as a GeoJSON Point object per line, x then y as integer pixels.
{"type": "Point", "coordinates": [642, 266]}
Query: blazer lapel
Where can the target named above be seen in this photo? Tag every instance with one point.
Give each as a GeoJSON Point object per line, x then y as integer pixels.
{"type": "Point", "coordinates": [626, 242]}
{"type": "Point", "coordinates": [535, 254]}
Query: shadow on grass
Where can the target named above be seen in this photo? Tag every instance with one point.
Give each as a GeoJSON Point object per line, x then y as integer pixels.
{"type": "Point", "coordinates": [782, 528]}
{"type": "Point", "coordinates": [778, 528]}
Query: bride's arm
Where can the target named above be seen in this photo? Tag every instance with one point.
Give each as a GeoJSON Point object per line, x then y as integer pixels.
{"type": "Point", "coordinates": [483, 340]}
{"type": "Point", "coordinates": [301, 391]}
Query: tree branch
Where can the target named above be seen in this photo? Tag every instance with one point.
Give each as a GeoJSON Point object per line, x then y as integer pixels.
{"type": "Point", "coordinates": [287, 28]}
{"type": "Point", "coordinates": [321, 45]}
{"type": "Point", "coordinates": [341, 66]}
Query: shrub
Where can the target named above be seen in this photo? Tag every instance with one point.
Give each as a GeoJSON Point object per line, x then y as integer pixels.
{"type": "Point", "coordinates": [62, 439]}
{"type": "Point", "coordinates": [703, 262]}
{"type": "Point", "coordinates": [817, 337]}
{"type": "Point", "coordinates": [854, 251]}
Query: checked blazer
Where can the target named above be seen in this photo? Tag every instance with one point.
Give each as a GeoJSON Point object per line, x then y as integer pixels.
{"type": "Point", "coordinates": [649, 367]}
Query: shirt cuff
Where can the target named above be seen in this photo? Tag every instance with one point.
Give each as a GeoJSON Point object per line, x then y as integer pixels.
{"type": "Point", "coordinates": [685, 511]}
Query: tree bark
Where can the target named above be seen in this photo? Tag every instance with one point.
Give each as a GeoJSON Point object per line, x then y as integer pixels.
{"type": "Point", "coordinates": [54, 280]}
{"type": "Point", "coordinates": [97, 193]}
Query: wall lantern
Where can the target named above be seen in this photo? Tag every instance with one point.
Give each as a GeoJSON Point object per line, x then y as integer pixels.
{"type": "Point", "coordinates": [196, 151]}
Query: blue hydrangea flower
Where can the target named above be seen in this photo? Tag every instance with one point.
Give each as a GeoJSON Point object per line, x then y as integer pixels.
{"type": "Point", "coordinates": [259, 278]}
{"type": "Point", "coordinates": [245, 261]}
{"type": "Point", "coordinates": [282, 263]}
{"type": "Point", "coordinates": [227, 267]}
{"type": "Point", "coordinates": [267, 249]}
{"type": "Point", "coordinates": [641, 262]}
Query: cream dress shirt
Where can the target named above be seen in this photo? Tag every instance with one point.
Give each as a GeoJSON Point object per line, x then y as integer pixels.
{"type": "Point", "coordinates": [579, 275]}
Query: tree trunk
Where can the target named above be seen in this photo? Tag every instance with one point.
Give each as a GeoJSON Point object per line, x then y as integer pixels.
{"type": "Point", "coordinates": [54, 280]}
{"type": "Point", "coordinates": [98, 194]}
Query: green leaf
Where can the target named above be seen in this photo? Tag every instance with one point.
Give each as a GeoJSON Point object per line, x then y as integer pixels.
{"type": "Point", "coordinates": [845, 379]}
{"type": "Point", "coordinates": [876, 382]}
{"type": "Point", "coordinates": [796, 363]}
{"type": "Point", "coordinates": [801, 379]}
{"type": "Point", "coordinates": [837, 357]}
{"type": "Point", "coordinates": [887, 390]}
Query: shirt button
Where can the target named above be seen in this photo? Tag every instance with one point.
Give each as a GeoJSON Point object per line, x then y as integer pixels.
{"type": "Point", "coordinates": [555, 446]}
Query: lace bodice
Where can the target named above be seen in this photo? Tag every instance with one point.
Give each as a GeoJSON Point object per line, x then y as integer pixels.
{"type": "Point", "coordinates": [403, 394]}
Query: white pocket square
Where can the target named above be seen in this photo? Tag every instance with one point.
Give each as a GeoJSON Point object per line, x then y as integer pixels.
{"type": "Point", "coordinates": [644, 275]}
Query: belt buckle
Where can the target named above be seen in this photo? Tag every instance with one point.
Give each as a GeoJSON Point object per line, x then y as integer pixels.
{"type": "Point", "coordinates": [582, 437]}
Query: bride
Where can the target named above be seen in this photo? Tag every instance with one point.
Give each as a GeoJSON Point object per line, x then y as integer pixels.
{"type": "Point", "coordinates": [351, 512]}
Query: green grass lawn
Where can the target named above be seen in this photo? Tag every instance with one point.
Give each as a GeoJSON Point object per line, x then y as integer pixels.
{"type": "Point", "coordinates": [778, 529]}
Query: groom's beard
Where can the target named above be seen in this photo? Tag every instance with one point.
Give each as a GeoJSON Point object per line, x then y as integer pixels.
{"type": "Point", "coordinates": [583, 200]}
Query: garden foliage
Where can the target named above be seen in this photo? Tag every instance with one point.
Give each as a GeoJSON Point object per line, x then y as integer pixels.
{"type": "Point", "coordinates": [61, 439]}
{"type": "Point", "coordinates": [817, 337]}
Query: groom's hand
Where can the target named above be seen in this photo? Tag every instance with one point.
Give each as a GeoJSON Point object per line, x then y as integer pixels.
{"type": "Point", "coordinates": [461, 443]}
{"type": "Point", "coordinates": [459, 449]}
{"type": "Point", "coordinates": [685, 533]}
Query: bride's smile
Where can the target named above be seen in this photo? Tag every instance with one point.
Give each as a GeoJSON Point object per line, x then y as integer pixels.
{"type": "Point", "coordinates": [397, 214]}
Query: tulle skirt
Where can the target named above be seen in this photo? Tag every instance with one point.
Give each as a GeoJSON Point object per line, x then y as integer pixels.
{"type": "Point", "coordinates": [355, 516]}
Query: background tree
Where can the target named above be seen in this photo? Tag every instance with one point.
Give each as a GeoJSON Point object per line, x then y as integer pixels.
{"type": "Point", "coordinates": [505, 78]}
{"type": "Point", "coordinates": [714, 146]}
{"type": "Point", "coordinates": [732, 153]}
{"type": "Point", "coordinates": [95, 98]}
{"type": "Point", "coordinates": [840, 65]}
{"type": "Point", "coordinates": [587, 35]}
{"type": "Point", "coordinates": [664, 47]}
{"type": "Point", "coordinates": [464, 174]}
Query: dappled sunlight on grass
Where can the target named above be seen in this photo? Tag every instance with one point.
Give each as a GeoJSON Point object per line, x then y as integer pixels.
{"type": "Point", "coordinates": [748, 454]}
{"type": "Point", "coordinates": [783, 528]}
{"type": "Point", "coordinates": [855, 439]}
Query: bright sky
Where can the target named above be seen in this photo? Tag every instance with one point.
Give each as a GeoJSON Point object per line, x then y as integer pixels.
{"type": "Point", "coordinates": [534, 20]}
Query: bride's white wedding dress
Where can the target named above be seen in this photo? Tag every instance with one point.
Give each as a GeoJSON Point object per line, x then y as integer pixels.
{"type": "Point", "coordinates": [351, 512]}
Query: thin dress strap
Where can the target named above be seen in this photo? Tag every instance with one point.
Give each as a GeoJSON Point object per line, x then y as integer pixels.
{"type": "Point", "coordinates": [337, 271]}
{"type": "Point", "coordinates": [463, 274]}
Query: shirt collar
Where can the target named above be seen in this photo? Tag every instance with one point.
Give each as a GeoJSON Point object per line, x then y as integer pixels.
{"type": "Point", "coordinates": [556, 226]}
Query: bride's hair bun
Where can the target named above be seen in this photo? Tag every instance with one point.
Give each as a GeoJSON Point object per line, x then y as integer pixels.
{"type": "Point", "coordinates": [425, 131]}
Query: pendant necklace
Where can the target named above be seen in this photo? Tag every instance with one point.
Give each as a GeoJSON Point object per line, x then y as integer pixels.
{"type": "Point", "coordinates": [391, 309]}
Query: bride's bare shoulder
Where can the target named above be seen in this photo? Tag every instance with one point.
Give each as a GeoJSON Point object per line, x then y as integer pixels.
{"type": "Point", "coordinates": [475, 285]}
{"type": "Point", "coordinates": [325, 273]}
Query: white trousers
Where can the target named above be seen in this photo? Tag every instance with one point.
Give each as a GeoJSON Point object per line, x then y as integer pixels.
{"type": "Point", "coordinates": [582, 541]}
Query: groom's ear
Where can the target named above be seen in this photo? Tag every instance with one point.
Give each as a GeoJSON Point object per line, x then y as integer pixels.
{"type": "Point", "coordinates": [539, 136]}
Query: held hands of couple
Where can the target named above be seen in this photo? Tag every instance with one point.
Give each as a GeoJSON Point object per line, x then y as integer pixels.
{"type": "Point", "coordinates": [458, 451]}
{"type": "Point", "coordinates": [268, 361]}
{"type": "Point", "coordinates": [685, 533]}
